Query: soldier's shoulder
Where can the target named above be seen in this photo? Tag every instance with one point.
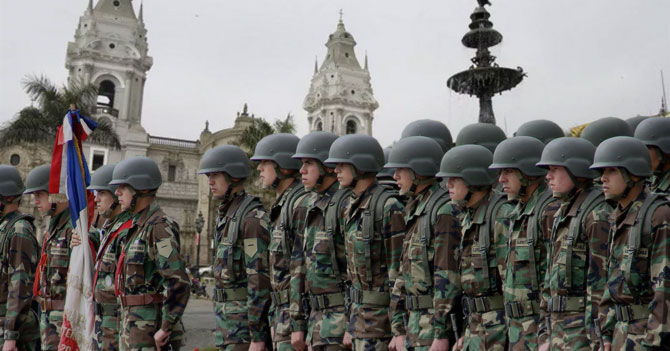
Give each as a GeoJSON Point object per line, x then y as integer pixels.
{"type": "Point", "coordinates": [161, 222]}
{"type": "Point", "coordinates": [602, 211]}
{"type": "Point", "coordinates": [448, 208]}
{"type": "Point", "coordinates": [393, 204]}
{"type": "Point", "coordinates": [661, 216]}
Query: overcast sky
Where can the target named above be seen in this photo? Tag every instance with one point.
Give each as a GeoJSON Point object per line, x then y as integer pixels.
{"type": "Point", "coordinates": [584, 59]}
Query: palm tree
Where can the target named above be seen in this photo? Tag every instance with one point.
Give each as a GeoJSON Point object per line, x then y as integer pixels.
{"type": "Point", "coordinates": [261, 128]}
{"type": "Point", "coordinates": [39, 124]}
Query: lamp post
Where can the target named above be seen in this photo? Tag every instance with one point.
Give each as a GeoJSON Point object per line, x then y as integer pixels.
{"type": "Point", "coordinates": [199, 222]}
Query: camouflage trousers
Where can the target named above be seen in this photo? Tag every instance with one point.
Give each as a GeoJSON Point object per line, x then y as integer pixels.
{"type": "Point", "coordinates": [232, 324]}
{"type": "Point", "coordinates": [25, 345]}
{"type": "Point", "coordinates": [630, 335]}
{"type": "Point", "coordinates": [281, 321]}
{"type": "Point", "coordinates": [486, 331]}
{"type": "Point", "coordinates": [329, 348]}
{"type": "Point", "coordinates": [106, 333]}
{"type": "Point", "coordinates": [371, 344]}
{"type": "Point", "coordinates": [419, 328]}
{"type": "Point", "coordinates": [29, 331]}
{"type": "Point", "coordinates": [569, 332]}
{"type": "Point", "coordinates": [326, 327]}
{"type": "Point", "coordinates": [138, 325]}
{"type": "Point", "coordinates": [523, 333]}
{"type": "Point", "coordinates": [50, 327]}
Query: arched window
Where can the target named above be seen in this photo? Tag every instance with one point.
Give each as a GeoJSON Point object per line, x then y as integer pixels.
{"type": "Point", "coordinates": [106, 94]}
{"type": "Point", "coordinates": [319, 126]}
{"type": "Point", "coordinates": [352, 127]}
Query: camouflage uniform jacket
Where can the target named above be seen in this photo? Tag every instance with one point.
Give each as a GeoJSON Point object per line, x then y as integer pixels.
{"type": "Point", "coordinates": [321, 273]}
{"type": "Point", "coordinates": [153, 265]}
{"type": "Point", "coordinates": [298, 271]}
{"type": "Point", "coordinates": [281, 249]}
{"type": "Point", "coordinates": [438, 280]}
{"type": "Point", "coordinates": [56, 253]}
{"type": "Point", "coordinates": [371, 320]}
{"type": "Point", "coordinates": [107, 258]}
{"type": "Point", "coordinates": [521, 281]}
{"type": "Point", "coordinates": [649, 284]}
{"type": "Point", "coordinates": [19, 255]}
{"type": "Point", "coordinates": [588, 262]}
{"type": "Point", "coordinates": [249, 319]}
{"type": "Point", "coordinates": [471, 260]}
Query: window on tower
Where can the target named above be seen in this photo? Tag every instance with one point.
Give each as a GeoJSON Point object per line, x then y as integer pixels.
{"type": "Point", "coordinates": [352, 128]}
{"type": "Point", "coordinates": [106, 94]}
{"type": "Point", "coordinates": [319, 126]}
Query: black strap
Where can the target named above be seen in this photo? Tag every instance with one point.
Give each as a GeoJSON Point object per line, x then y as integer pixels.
{"type": "Point", "coordinates": [484, 217]}
{"type": "Point", "coordinates": [533, 227]}
{"type": "Point", "coordinates": [249, 203]}
{"type": "Point", "coordinates": [285, 216]}
{"type": "Point", "coordinates": [426, 222]}
{"type": "Point", "coordinates": [332, 222]}
{"type": "Point", "coordinates": [372, 223]}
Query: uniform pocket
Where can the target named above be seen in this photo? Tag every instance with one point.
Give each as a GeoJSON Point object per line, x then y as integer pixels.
{"type": "Point", "coordinates": [333, 325]}
{"type": "Point", "coordinates": [323, 253]}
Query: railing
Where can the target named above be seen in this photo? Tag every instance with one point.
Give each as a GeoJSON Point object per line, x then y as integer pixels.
{"type": "Point", "coordinates": [107, 110]}
{"type": "Point", "coordinates": [181, 143]}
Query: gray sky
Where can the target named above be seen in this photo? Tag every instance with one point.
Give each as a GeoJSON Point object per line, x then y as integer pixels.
{"type": "Point", "coordinates": [584, 59]}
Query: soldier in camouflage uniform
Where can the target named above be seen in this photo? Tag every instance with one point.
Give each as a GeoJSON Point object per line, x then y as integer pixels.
{"type": "Point", "coordinates": [528, 233]}
{"type": "Point", "coordinates": [482, 249]}
{"type": "Point", "coordinates": [242, 291]}
{"type": "Point", "coordinates": [19, 326]}
{"type": "Point", "coordinates": [278, 171]}
{"type": "Point", "coordinates": [318, 273]}
{"type": "Point", "coordinates": [577, 268]}
{"type": "Point", "coordinates": [653, 132]}
{"type": "Point", "coordinates": [113, 231]}
{"type": "Point", "coordinates": [373, 226]}
{"type": "Point", "coordinates": [150, 279]}
{"type": "Point", "coordinates": [51, 275]}
{"type": "Point", "coordinates": [634, 307]}
{"type": "Point", "coordinates": [425, 294]}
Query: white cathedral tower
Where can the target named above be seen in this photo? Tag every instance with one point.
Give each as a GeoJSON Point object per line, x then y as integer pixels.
{"type": "Point", "coordinates": [340, 98]}
{"type": "Point", "coordinates": [110, 50]}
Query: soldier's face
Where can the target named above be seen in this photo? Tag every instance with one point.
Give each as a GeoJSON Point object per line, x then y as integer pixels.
{"type": "Point", "coordinates": [559, 179]}
{"type": "Point", "coordinates": [217, 184]}
{"type": "Point", "coordinates": [344, 175]}
{"type": "Point", "coordinates": [267, 173]}
{"type": "Point", "coordinates": [103, 200]}
{"type": "Point", "coordinates": [404, 179]}
{"type": "Point", "coordinates": [613, 182]}
{"type": "Point", "coordinates": [41, 201]}
{"type": "Point", "coordinates": [309, 172]}
{"type": "Point", "coordinates": [125, 196]}
{"type": "Point", "coordinates": [458, 190]}
{"type": "Point", "coordinates": [510, 181]}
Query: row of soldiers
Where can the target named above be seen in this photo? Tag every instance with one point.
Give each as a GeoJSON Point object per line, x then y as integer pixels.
{"type": "Point", "coordinates": [519, 248]}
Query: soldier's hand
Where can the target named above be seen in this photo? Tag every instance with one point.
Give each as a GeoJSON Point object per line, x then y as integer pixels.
{"type": "Point", "coordinates": [298, 341]}
{"type": "Point", "coordinates": [347, 340]}
{"type": "Point", "coordinates": [397, 343]}
{"type": "Point", "coordinates": [10, 345]}
{"type": "Point", "coordinates": [76, 239]}
{"type": "Point", "coordinates": [459, 344]}
{"type": "Point", "coordinates": [161, 337]}
{"type": "Point", "coordinates": [257, 346]}
{"type": "Point", "coordinates": [440, 345]}
{"type": "Point", "coordinates": [607, 346]}
{"type": "Point", "coordinates": [544, 347]}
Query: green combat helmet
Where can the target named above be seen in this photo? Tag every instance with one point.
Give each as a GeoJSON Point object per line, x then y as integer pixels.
{"type": "Point", "coordinates": [141, 173]}
{"type": "Point", "coordinates": [484, 134]}
{"type": "Point", "coordinates": [575, 154]}
{"type": "Point", "coordinates": [38, 179]}
{"type": "Point", "coordinates": [421, 155]}
{"type": "Point", "coordinates": [542, 129]}
{"type": "Point", "coordinates": [629, 155]}
{"type": "Point", "coordinates": [655, 132]}
{"type": "Point", "coordinates": [227, 159]}
{"type": "Point", "coordinates": [386, 173]}
{"type": "Point", "coordinates": [11, 185]}
{"type": "Point", "coordinates": [316, 145]}
{"type": "Point", "coordinates": [360, 151]}
{"type": "Point", "coordinates": [100, 182]}
{"type": "Point", "coordinates": [435, 130]}
{"type": "Point", "coordinates": [633, 122]}
{"type": "Point", "coordinates": [470, 162]}
{"type": "Point", "coordinates": [606, 128]}
{"type": "Point", "coordinates": [278, 148]}
{"type": "Point", "coordinates": [521, 153]}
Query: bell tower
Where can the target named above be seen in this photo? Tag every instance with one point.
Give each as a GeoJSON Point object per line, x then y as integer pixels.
{"type": "Point", "coordinates": [340, 98]}
{"type": "Point", "coordinates": [110, 50]}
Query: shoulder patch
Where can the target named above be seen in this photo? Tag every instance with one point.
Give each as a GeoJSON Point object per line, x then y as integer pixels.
{"type": "Point", "coordinates": [164, 248]}
{"type": "Point", "coordinates": [251, 247]}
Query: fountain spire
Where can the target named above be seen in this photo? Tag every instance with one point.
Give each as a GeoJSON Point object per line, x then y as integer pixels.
{"type": "Point", "coordinates": [485, 78]}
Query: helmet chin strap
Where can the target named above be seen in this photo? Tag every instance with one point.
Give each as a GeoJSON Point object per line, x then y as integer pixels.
{"type": "Point", "coordinates": [525, 183]}
{"type": "Point", "coordinates": [231, 185]}
{"type": "Point", "coordinates": [415, 183]}
{"type": "Point", "coordinates": [279, 176]}
{"type": "Point", "coordinates": [322, 174]}
{"type": "Point", "coordinates": [138, 195]}
{"type": "Point", "coordinates": [580, 184]}
{"type": "Point", "coordinates": [630, 184]}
